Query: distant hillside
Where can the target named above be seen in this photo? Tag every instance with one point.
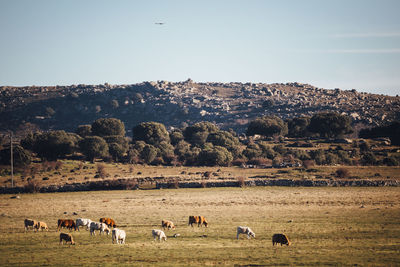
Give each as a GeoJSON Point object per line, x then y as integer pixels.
{"type": "Point", "coordinates": [230, 105]}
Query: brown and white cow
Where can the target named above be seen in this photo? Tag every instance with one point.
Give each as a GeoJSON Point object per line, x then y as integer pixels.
{"type": "Point", "coordinates": [110, 222]}
{"type": "Point", "coordinates": [67, 238]}
{"type": "Point", "coordinates": [42, 226]}
{"type": "Point", "coordinates": [66, 223]}
{"type": "Point", "coordinates": [29, 223]}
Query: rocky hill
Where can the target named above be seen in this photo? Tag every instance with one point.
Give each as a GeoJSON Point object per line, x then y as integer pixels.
{"type": "Point", "coordinates": [230, 105]}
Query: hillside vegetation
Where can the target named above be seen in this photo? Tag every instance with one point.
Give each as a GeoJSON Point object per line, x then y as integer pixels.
{"type": "Point", "coordinates": [229, 105]}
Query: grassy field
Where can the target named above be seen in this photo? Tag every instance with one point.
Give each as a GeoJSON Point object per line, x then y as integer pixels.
{"type": "Point", "coordinates": [80, 172]}
{"type": "Point", "coordinates": [327, 226]}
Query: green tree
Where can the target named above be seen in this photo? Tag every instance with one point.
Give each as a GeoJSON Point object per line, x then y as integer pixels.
{"type": "Point", "coordinates": [267, 126]}
{"type": "Point", "coordinates": [148, 153]}
{"type": "Point", "coordinates": [21, 157]}
{"type": "Point", "coordinates": [217, 156]}
{"type": "Point", "coordinates": [197, 134]}
{"type": "Point", "coordinates": [107, 127]}
{"type": "Point", "coordinates": [84, 130]}
{"type": "Point", "coordinates": [151, 132]}
{"type": "Point", "coordinates": [54, 144]}
{"type": "Point", "coordinates": [93, 147]}
{"type": "Point", "coordinates": [298, 127]}
{"type": "Point", "coordinates": [330, 124]}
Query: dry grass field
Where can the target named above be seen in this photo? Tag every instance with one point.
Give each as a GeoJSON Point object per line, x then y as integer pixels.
{"type": "Point", "coordinates": [327, 226]}
{"type": "Point", "coordinates": [79, 172]}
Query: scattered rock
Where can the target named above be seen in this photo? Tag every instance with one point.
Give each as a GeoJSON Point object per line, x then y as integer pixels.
{"type": "Point", "coordinates": [176, 235]}
{"type": "Point", "coordinates": [16, 197]}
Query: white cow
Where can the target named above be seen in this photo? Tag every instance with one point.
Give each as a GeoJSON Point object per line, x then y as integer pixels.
{"type": "Point", "coordinates": [245, 230]}
{"type": "Point", "coordinates": [83, 222]}
{"type": "Point", "coordinates": [159, 234]}
{"type": "Point", "coordinates": [118, 235]}
{"type": "Point", "coordinates": [102, 227]}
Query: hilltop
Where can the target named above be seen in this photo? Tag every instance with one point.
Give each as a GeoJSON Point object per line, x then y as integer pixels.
{"type": "Point", "coordinates": [230, 105]}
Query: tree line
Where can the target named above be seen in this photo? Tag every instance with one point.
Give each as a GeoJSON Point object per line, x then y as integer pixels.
{"type": "Point", "coordinates": [202, 144]}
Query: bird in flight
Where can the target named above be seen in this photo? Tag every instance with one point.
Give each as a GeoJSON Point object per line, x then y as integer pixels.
{"type": "Point", "coordinates": [159, 23]}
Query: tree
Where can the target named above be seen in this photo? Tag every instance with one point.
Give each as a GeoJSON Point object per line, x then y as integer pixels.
{"type": "Point", "coordinates": [297, 127]}
{"type": "Point", "coordinates": [150, 132]}
{"type": "Point", "coordinates": [267, 126]}
{"type": "Point", "coordinates": [176, 136]}
{"type": "Point", "coordinates": [330, 124]}
{"type": "Point", "coordinates": [117, 151]}
{"type": "Point", "coordinates": [217, 156]}
{"type": "Point", "coordinates": [391, 130]}
{"type": "Point", "coordinates": [197, 134]}
{"type": "Point", "coordinates": [21, 157]}
{"type": "Point", "coordinates": [148, 153]}
{"type": "Point", "coordinates": [93, 147]}
{"type": "Point", "coordinates": [227, 140]}
{"type": "Point", "coordinates": [52, 145]}
{"type": "Point", "coordinates": [107, 127]}
{"type": "Point", "coordinates": [84, 130]}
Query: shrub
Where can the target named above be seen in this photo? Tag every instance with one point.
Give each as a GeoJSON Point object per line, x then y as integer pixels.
{"type": "Point", "coordinates": [342, 173]}
{"type": "Point", "coordinates": [260, 161]}
{"type": "Point", "coordinates": [101, 170]}
{"type": "Point", "coordinates": [32, 186]}
{"type": "Point", "coordinates": [238, 162]}
{"type": "Point", "coordinates": [390, 161]}
{"type": "Point", "coordinates": [308, 164]}
{"type": "Point", "coordinates": [241, 181]}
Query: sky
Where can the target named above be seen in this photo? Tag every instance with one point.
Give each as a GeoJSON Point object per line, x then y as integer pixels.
{"type": "Point", "coordinates": [342, 44]}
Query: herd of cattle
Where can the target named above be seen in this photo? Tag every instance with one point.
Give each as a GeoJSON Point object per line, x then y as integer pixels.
{"type": "Point", "coordinates": [119, 235]}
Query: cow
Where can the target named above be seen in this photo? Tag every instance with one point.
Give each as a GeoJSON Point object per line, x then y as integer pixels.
{"type": "Point", "coordinates": [118, 235]}
{"type": "Point", "coordinates": [42, 226]}
{"type": "Point", "coordinates": [199, 220]}
{"type": "Point", "coordinates": [67, 238]}
{"type": "Point", "coordinates": [167, 224]}
{"type": "Point", "coordinates": [158, 234]}
{"type": "Point", "coordinates": [245, 230]}
{"type": "Point", "coordinates": [67, 223]}
{"type": "Point", "coordinates": [102, 227]}
{"type": "Point", "coordinates": [280, 238]}
{"type": "Point", "coordinates": [203, 221]}
{"type": "Point", "coordinates": [29, 223]}
{"type": "Point", "coordinates": [83, 222]}
{"type": "Point", "coordinates": [110, 222]}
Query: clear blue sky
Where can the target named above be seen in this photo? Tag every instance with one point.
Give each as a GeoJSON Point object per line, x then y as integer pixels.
{"type": "Point", "coordinates": [338, 43]}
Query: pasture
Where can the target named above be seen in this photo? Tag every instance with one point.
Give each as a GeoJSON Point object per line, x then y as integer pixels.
{"type": "Point", "coordinates": [327, 226]}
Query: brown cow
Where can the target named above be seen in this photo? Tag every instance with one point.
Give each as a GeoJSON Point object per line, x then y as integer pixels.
{"type": "Point", "coordinates": [67, 238]}
{"type": "Point", "coordinates": [110, 222]}
{"type": "Point", "coordinates": [42, 226]}
{"type": "Point", "coordinates": [193, 220]}
{"type": "Point", "coordinates": [200, 220]}
{"type": "Point", "coordinates": [280, 238]}
{"type": "Point", "coordinates": [67, 223]}
{"type": "Point", "coordinates": [167, 224]}
{"type": "Point", "coordinates": [203, 221]}
{"type": "Point", "coordinates": [30, 224]}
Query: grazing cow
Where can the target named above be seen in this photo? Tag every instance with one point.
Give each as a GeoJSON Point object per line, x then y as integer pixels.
{"type": "Point", "coordinates": [66, 223]}
{"type": "Point", "coordinates": [167, 224]}
{"type": "Point", "coordinates": [102, 227]}
{"type": "Point", "coordinates": [30, 224]}
{"type": "Point", "coordinates": [203, 221]}
{"type": "Point", "coordinates": [245, 230]}
{"type": "Point", "coordinates": [110, 222]}
{"type": "Point", "coordinates": [118, 235]}
{"type": "Point", "coordinates": [83, 222]}
{"type": "Point", "coordinates": [280, 238]}
{"type": "Point", "coordinates": [67, 238]}
{"type": "Point", "coordinates": [158, 234]}
{"type": "Point", "coordinates": [42, 226]}
{"type": "Point", "coordinates": [199, 220]}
